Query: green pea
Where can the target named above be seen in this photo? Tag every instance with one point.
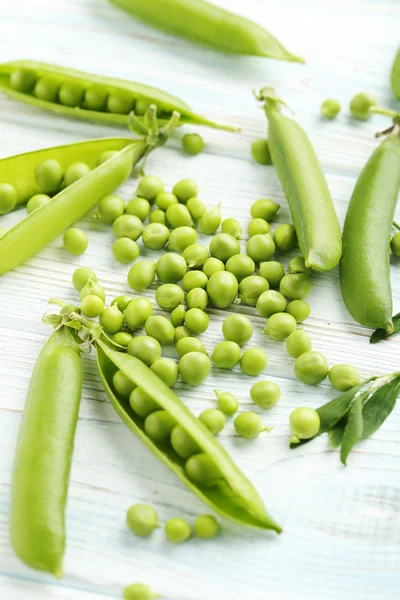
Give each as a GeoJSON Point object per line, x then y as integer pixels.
{"type": "Point", "coordinates": [265, 393]}
{"type": "Point", "coordinates": [104, 156]}
{"type": "Point", "coordinates": [139, 207]}
{"type": "Point", "coordinates": [169, 296]}
{"type": "Point", "coordinates": [227, 402]}
{"type": "Point", "coordinates": [185, 189]}
{"type": "Point", "coordinates": [298, 265]}
{"type": "Point", "coordinates": [311, 367]}
{"type": "Point", "coordinates": [8, 198]}
{"type": "Point", "coordinates": [141, 403]}
{"type": "Point", "coordinates": [182, 237]}
{"type": "Point", "coordinates": [344, 377]}
{"type": "Point", "coordinates": [142, 519]}
{"type": "Point", "coordinates": [222, 288]}
{"type": "Point", "coordinates": [280, 326]}
{"type": "Point", "coordinates": [120, 103]}
{"type": "Point", "coordinates": [122, 302]}
{"type": "Point", "coordinates": [197, 320]}
{"type": "Point", "coordinates": [304, 424]}
{"type": "Point", "coordinates": [258, 227]}
{"type": "Point", "coordinates": [210, 220]}
{"type": "Point", "coordinates": [71, 94]}
{"type": "Point", "coordinates": [145, 347]}
{"type": "Point", "coordinates": [122, 338]}
{"type": "Point", "coordinates": [177, 530]}
{"type": "Point", "coordinates": [188, 345]}
{"type": "Point", "coordinates": [149, 187]}
{"type": "Point", "coordinates": [298, 343]}
{"type": "Point", "coordinates": [206, 527]}
{"type": "Point", "coordinates": [197, 298]}
{"type": "Point", "coordinates": [75, 171]}
{"type": "Point", "coordinates": [165, 199]}
{"type": "Point", "coordinates": [142, 104]}
{"type": "Point", "coordinates": [299, 309]}
{"type": "Point", "coordinates": [155, 236]}
{"type": "Point", "coordinates": [46, 89]}
{"type": "Point", "coordinates": [361, 104]}
{"type": "Point", "coordinates": [179, 216]}
{"type": "Point", "coordinates": [249, 425]}
{"type": "Point", "coordinates": [91, 306]}
{"type": "Point", "coordinates": [125, 250]}
{"type": "Point", "coordinates": [213, 265]}
{"type": "Point", "coordinates": [49, 175]}
{"type": "Point", "coordinates": [213, 419]}
{"type": "Point", "coordinates": [202, 470]}
{"type": "Point", "coordinates": [183, 443]}
{"type": "Point", "coordinates": [192, 143]}
{"type": "Point", "coordinates": [270, 302]}
{"type": "Point", "coordinates": [232, 227]}
{"type": "Point", "coordinates": [196, 208]}
{"type": "Point", "coordinates": [23, 80]}
{"type": "Point", "coordinates": [330, 108]}
{"type": "Point", "coordinates": [251, 288]}
{"type": "Point", "coordinates": [285, 237]}
{"type": "Point", "coordinates": [273, 272]}
{"type": "Point", "coordinates": [161, 329]}
{"type": "Point", "coordinates": [158, 425]}
{"type": "Point", "coordinates": [111, 320]}
{"type": "Point", "coordinates": [395, 244]}
{"type": "Point", "coordinates": [296, 287]}
{"type": "Point", "coordinates": [111, 207]}
{"type": "Point", "coordinates": [226, 355]}
{"type": "Point", "coordinates": [137, 312]}
{"type": "Point", "coordinates": [138, 591]}
{"type": "Point", "coordinates": [241, 266]}
{"type": "Point", "coordinates": [75, 241]}
{"type": "Point", "coordinates": [170, 268]}
{"type": "Point", "coordinates": [122, 384]}
{"type": "Point", "coordinates": [36, 202]}
{"type": "Point", "coordinates": [181, 332]}
{"type": "Point", "coordinates": [237, 328]}
{"type": "Point", "coordinates": [194, 367]}
{"type": "Point", "coordinates": [195, 256]}
{"type": "Point", "coordinates": [127, 226]}
{"type": "Point", "coordinates": [260, 247]}
{"type": "Point", "coordinates": [81, 276]}
{"type": "Point", "coordinates": [178, 316]}
{"type": "Point", "coordinates": [264, 209]}
{"type": "Point", "coordinates": [223, 246]}
{"type": "Point", "coordinates": [260, 151]}
{"type": "Point", "coordinates": [167, 370]}
{"type": "Point", "coordinates": [253, 361]}
{"type": "Point", "coordinates": [158, 216]}
{"type": "Point", "coordinates": [96, 98]}
{"type": "Point", "coordinates": [141, 275]}
{"type": "Point", "coordinates": [92, 288]}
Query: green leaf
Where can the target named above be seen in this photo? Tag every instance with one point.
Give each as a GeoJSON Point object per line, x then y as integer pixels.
{"type": "Point", "coordinates": [336, 434]}
{"type": "Point", "coordinates": [354, 427]}
{"type": "Point", "coordinates": [382, 334]}
{"type": "Point", "coordinates": [332, 412]}
{"type": "Point", "coordinates": [379, 406]}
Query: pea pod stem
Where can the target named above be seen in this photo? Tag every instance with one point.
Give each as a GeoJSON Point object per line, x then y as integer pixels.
{"type": "Point", "coordinates": [384, 111]}
{"type": "Point", "coordinates": [396, 225]}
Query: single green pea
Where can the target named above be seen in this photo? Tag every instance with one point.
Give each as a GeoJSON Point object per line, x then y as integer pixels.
{"type": "Point", "coordinates": [111, 207]}
{"type": "Point", "coordinates": [227, 402]}
{"type": "Point", "coordinates": [49, 175]}
{"type": "Point", "coordinates": [201, 469]}
{"type": "Point", "coordinates": [165, 199]}
{"type": "Point", "coordinates": [298, 343]}
{"type": "Point", "coordinates": [188, 345]}
{"type": "Point", "coordinates": [249, 425]}
{"type": "Point", "coordinates": [23, 80]}
{"type": "Point", "coordinates": [194, 367]}
{"type": "Point", "coordinates": [161, 329]}
{"type": "Point", "coordinates": [183, 443]}
{"type": "Point", "coordinates": [213, 265]}
{"type": "Point", "coordinates": [122, 384]}
{"type": "Point", "coordinates": [155, 236]}
{"type": "Point", "coordinates": [169, 296]}
{"type": "Point", "coordinates": [138, 591]}
{"type": "Point", "coordinates": [141, 275]}
{"type": "Point", "coordinates": [181, 332]}
{"type": "Point", "coordinates": [222, 288]}
{"type": "Point", "coordinates": [182, 237]}
{"type": "Point", "coordinates": [195, 256]}
{"type": "Point", "coordinates": [299, 309]}
{"type": "Point", "coordinates": [170, 268]}
{"type": "Point", "coordinates": [178, 316]}
{"type": "Point", "coordinates": [122, 302]}
{"type": "Point", "coordinates": [104, 156]}
{"type": "Point", "coordinates": [177, 530]}
{"type": "Point", "coordinates": [270, 302]}
{"type": "Point", "coordinates": [237, 328]}
{"type": "Point", "coordinates": [395, 244]}
{"type": "Point", "coordinates": [137, 312]}
{"type": "Point", "coordinates": [210, 220]}
{"type": "Point", "coordinates": [8, 198]}
{"type": "Point", "coordinates": [194, 280]}
{"type": "Point", "coordinates": [206, 527]}
{"type": "Point", "coordinates": [361, 104]}
{"type": "Point", "coordinates": [260, 247]}
{"type": "Point", "coordinates": [125, 250]}
{"type": "Point", "coordinates": [264, 209]}
{"type": "Point", "coordinates": [96, 98]}
{"type": "Point", "coordinates": [196, 208]}
{"type": "Point", "coordinates": [265, 393]}
{"type": "Point", "coordinates": [241, 266]}
{"type": "Point", "coordinates": [280, 326]}
{"type": "Point", "coordinates": [285, 237]}
{"type": "Point", "coordinates": [75, 241]}
{"type": "Point", "coordinates": [120, 103]}
{"type": "Point", "coordinates": [146, 348]}
{"type": "Point", "coordinates": [158, 216]}
{"type": "Point", "coordinates": [142, 519]}
{"type": "Point", "coordinates": [92, 288]}
{"type": "Point", "coordinates": [223, 246]}
{"type": "Point", "coordinates": [167, 370]}
{"type": "Point", "coordinates": [179, 216]}
{"type": "Point", "coordinates": [330, 108]}
{"type": "Point", "coordinates": [71, 94]}
{"type": "Point", "coordinates": [251, 288]}
{"type": "Point", "coordinates": [226, 355]}
{"type": "Point", "coordinates": [91, 306]}
{"type": "Point", "coordinates": [192, 143]}
{"type": "Point", "coordinates": [141, 403]}
{"type": "Point", "coordinates": [81, 276]}
{"type": "Point", "coordinates": [273, 272]}
{"type": "Point", "coordinates": [75, 171]}
{"type": "Point", "coordinates": [185, 189]}
{"type": "Point", "coordinates": [298, 265]}
{"type": "Point", "coordinates": [214, 419]}
{"type": "Point", "coordinates": [232, 227]}
{"type": "Point", "coordinates": [304, 424]}
{"type": "Point", "coordinates": [253, 361]}
{"type": "Point", "coordinates": [111, 320]}
{"type": "Point", "coordinates": [260, 151]}
{"type": "Point", "coordinates": [197, 298]}
{"type": "Point", "coordinates": [36, 202]}
{"type": "Point", "coordinates": [139, 207]}
{"type": "Point", "coordinates": [127, 226]}
{"type": "Point", "coordinates": [311, 367]}
{"type": "Point", "coordinates": [197, 320]}
{"type": "Point", "coordinates": [149, 187]}
{"type": "Point", "coordinates": [296, 286]}
{"type": "Point", "coordinates": [46, 88]}
{"type": "Point", "coordinates": [158, 425]}
{"type": "Point", "coordinates": [122, 338]}
{"type": "Point", "coordinates": [142, 104]}
{"type": "Point", "coordinates": [258, 227]}
{"type": "Point", "coordinates": [344, 377]}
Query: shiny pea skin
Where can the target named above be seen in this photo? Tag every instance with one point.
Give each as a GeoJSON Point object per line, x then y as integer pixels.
{"type": "Point", "coordinates": [137, 312]}
{"type": "Point", "coordinates": [125, 250]}
{"type": "Point", "coordinates": [202, 470]}
{"type": "Point", "coordinates": [142, 519]}
{"type": "Point", "coordinates": [258, 226]}
{"type": "Point", "coordinates": [179, 216]}
{"type": "Point", "coordinates": [361, 104]}
{"type": "Point", "coordinates": [81, 276]}
{"type": "Point", "coordinates": [141, 275]}
{"type": "Point", "coordinates": [232, 227]}
{"type": "Point", "coordinates": [280, 326]}
{"type": "Point", "coordinates": [185, 189]}
{"type": "Point", "coordinates": [91, 306]}
{"type": "Point", "coordinates": [344, 377]}
{"type": "Point", "coordinates": [237, 328]}
{"type": "Point", "coordinates": [299, 309]}
{"type": "Point", "coordinates": [260, 151]}
{"type": "Point", "coordinates": [264, 209]}
{"type": "Point", "coordinates": [181, 331]}
{"type": "Point", "coordinates": [304, 424]}
{"type": "Point", "coordinates": [71, 93]}
{"type": "Point", "coordinates": [110, 208]}
{"type": "Point", "coordinates": [35, 202]}
{"type": "Point", "coordinates": [197, 298]}
{"type": "Point", "coordinates": [158, 216]}
{"type": "Point", "coordinates": [226, 355]}
{"type": "Point", "coordinates": [182, 237]}
{"type": "Point", "coordinates": [206, 527]}
{"type": "Point", "coordinates": [145, 348]}
{"type": "Point", "coordinates": [251, 288]}
{"type": "Point", "coordinates": [273, 272]}
{"type": "Point", "coordinates": [189, 344]}
{"type": "Point", "coordinates": [270, 302]}
{"type": "Point", "coordinates": [311, 367]}
{"type": "Point", "coordinates": [158, 425]}
{"type": "Point", "coordinates": [139, 207]}
{"type": "Point", "coordinates": [195, 256]}
{"type": "Point", "coordinates": [183, 443]}
{"type": "Point", "coordinates": [141, 403]}
{"type": "Point", "coordinates": [330, 108]}
{"type": "Point", "coordinates": [161, 329]}
{"type": "Point", "coordinates": [296, 286]}
{"type": "Point", "coordinates": [165, 199]}
{"type": "Point", "coordinates": [120, 103]}
{"type": "Point", "coordinates": [265, 393]}
{"type": "Point", "coordinates": [194, 367]}
{"type": "Point", "coordinates": [149, 187]}
{"type": "Point", "coordinates": [171, 267]}
{"type": "Point", "coordinates": [178, 316]}
{"type": "Point", "coordinates": [111, 320]}
{"type": "Point", "coordinates": [241, 266]}
{"type": "Point", "coordinates": [196, 208]}
{"type": "Point", "coordinates": [192, 143]}
{"type": "Point", "coordinates": [227, 402]}
{"type": "Point", "coordinates": [194, 279]}
{"type": "Point", "coordinates": [197, 320]}
{"type": "Point", "coordinates": [167, 370]}
{"type": "Point", "coordinates": [23, 80]}
{"type": "Point", "coordinates": [121, 302]}
{"type": "Point", "coordinates": [249, 425]}
{"type": "Point", "coordinates": [75, 241]}
{"type": "Point", "coordinates": [298, 265]}
{"type": "Point", "coordinates": [253, 361]}
{"type": "Point", "coordinates": [9, 197]}
{"type": "Point", "coordinates": [46, 88]}
{"type": "Point", "coordinates": [96, 98]}
{"type": "Point", "coordinates": [260, 247]}
{"type": "Point", "coordinates": [122, 384]}
{"type": "Point", "coordinates": [213, 419]}
{"type": "Point", "coordinates": [298, 343]}
{"type": "Point", "coordinates": [122, 338]}
{"type": "Point", "coordinates": [223, 246]}
{"type": "Point", "coordinates": [285, 237]}
{"type": "Point", "coordinates": [210, 220]}
{"type": "Point", "coordinates": [213, 265]}
{"type": "Point", "coordinates": [168, 296]}
{"type": "Point", "coordinates": [49, 175]}
{"type": "Point", "coordinates": [127, 226]}
{"type": "Point", "coordinates": [177, 530]}
{"type": "Point", "coordinates": [222, 288]}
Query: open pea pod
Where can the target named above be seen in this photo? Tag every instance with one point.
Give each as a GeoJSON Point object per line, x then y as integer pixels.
{"type": "Point", "coordinates": [88, 95]}
{"type": "Point", "coordinates": [236, 499]}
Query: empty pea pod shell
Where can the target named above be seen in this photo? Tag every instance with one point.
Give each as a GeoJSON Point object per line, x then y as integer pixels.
{"type": "Point", "coordinates": [166, 103]}
{"type": "Point", "coordinates": [395, 76]}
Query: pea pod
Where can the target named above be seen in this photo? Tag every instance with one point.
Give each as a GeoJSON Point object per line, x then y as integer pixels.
{"type": "Point", "coordinates": [43, 455]}
{"type": "Point", "coordinates": [202, 22]}
{"type": "Point", "coordinates": [18, 80]}
{"type": "Point", "coordinates": [395, 76]}
{"type": "Point", "coordinates": [365, 264]}
{"type": "Point", "coordinates": [305, 187]}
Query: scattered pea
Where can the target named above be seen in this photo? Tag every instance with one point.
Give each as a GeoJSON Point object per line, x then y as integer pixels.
{"type": "Point", "coordinates": [142, 519]}
{"type": "Point", "coordinates": [227, 402]}
{"type": "Point", "coordinates": [257, 227]}
{"type": "Point", "coordinates": [197, 320]}
{"type": "Point", "coordinates": [149, 187]}
{"type": "Point", "coordinates": [253, 361]}
{"type": "Point", "coordinates": [146, 348]}
{"type": "Point", "coordinates": [206, 527]}
{"type": "Point", "coordinates": [122, 338]}
{"type": "Point", "coordinates": [141, 275]}
{"type": "Point", "coordinates": [298, 265]}
{"type": "Point", "coordinates": [168, 296]}
{"type": "Point", "coordinates": [197, 298]}
{"type": "Point", "coordinates": [213, 265]}
{"type": "Point", "coordinates": [179, 216]}
{"type": "Point", "coordinates": [178, 316]}
{"type": "Point", "coordinates": [296, 286]}
{"type": "Point", "coordinates": [264, 209]}
{"type": "Point", "coordinates": [237, 328]}
{"type": "Point", "coordinates": [241, 266]}
{"type": "Point", "coordinates": [170, 268]}
{"type": "Point", "coordinates": [161, 329]}
{"type": "Point", "coordinates": [91, 306]}
{"type": "Point", "coordinates": [304, 424]}
{"type": "Point", "coordinates": [34, 203]}
{"type": "Point", "coordinates": [177, 530]}
{"type": "Point", "coordinates": [299, 309]}
{"type": "Point", "coordinates": [285, 237]}
{"type": "Point", "coordinates": [265, 393]}
{"type": "Point", "coordinates": [75, 241]}
{"type": "Point", "coordinates": [165, 199]}
{"type": "Point", "coordinates": [361, 104]}
{"type": "Point", "coordinates": [280, 326]}
{"type": "Point", "coordinates": [251, 288]}
{"type": "Point", "coordinates": [298, 343]}
{"type": "Point", "coordinates": [122, 302]}
{"type": "Point", "coordinates": [185, 189]}
{"type": "Point", "coordinates": [213, 419]}
{"type": "Point", "coordinates": [194, 279]}
{"type": "Point", "coordinates": [270, 302]}
{"type": "Point", "coordinates": [249, 425]}
{"type": "Point", "coordinates": [196, 208]}
{"type": "Point", "coordinates": [194, 367]}
{"type": "Point", "coordinates": [138, 591]}
{"type": "Point", "coordinates": [210, 220]}
{"type": "Point", "coordinates": [127, 226]}
{"type": "Point", "coordinates": [81, 276]}
{"type": "Point", "coordinates": [188, 345]}
{"type": "Point", "coordinates": [330, 108]}
{"type": "Point", "coordinates": [111, 320]}
{"type": "Point", "coordinates": [167, 370]}
{"type": "Point", "coordinates": [222, 288]}
{"type": "Point", "coordinates": [260, 151]}
{"type": "Point", "coordinates": [181, 332]}
{"type": "Point", "coordinates": [192, 143]}
{"type": "Point", "coordinates": [125, 250]}
{"type": "Point", "coordinates": [137, 312]}
{"type": "Point", "coordinates": [224, 246]}
{"type": "Point", "coordinates": [273, 272]}
{"type": "Point", "coordinates": [195, 256]}
{"type": "Point", "coordinates": [226, 355]}
{"type": "Point", "coordinates": [232, 227]}
{"type": "Point", "coordinates": [182, 237]}
{"type": "Point", "coordinates": [311, 367]}
{"type": "Point", "coordinates": [344, 377]}
{"type": "Point", "coordinates": [158, 216]}
{"type": "Point", "coordinates": [139, 207]}
{"type": "Point", "coordinates": [260, 247]}
{"type": "Point", "coordinates": [92, 288]}
{"type": "Point", "coordinates": [111, 207]}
